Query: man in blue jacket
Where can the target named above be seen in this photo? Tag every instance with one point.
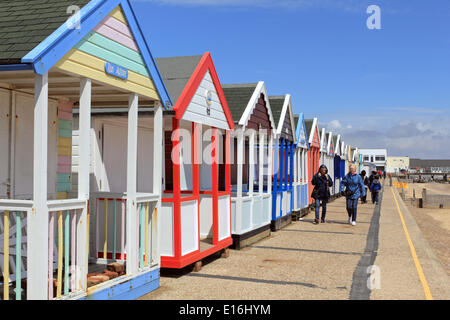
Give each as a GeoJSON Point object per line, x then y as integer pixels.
{"type": "Point", "coordinates": [321, 182]}
{"type": "Point", "coordinates": [354, 189]}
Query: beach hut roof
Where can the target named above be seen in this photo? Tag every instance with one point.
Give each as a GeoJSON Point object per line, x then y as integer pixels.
{"type": "Point", "coordinates": [238, 96]}
{"type": "Point", "coordinates": [25, 24]}
{"type": "Point", "coordinates": [189, 80]}
{"type": "Point", "coordinates": [276, 103]}
{"type": "Point", "coordinates": [176, 72]}
{"type": "Point", "coordinates": [243, 98]}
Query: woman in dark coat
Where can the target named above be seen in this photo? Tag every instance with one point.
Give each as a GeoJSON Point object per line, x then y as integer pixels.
{"type": "Point", "coordinates": [322, 182]}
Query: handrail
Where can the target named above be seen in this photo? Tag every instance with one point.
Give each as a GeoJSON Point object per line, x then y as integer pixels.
{"type": "Point", "coordinates": [146, 197]}
{"type": "Point", "coordinates": [62, 205]}
{"type": "Point", "coordinates": [16, 205]}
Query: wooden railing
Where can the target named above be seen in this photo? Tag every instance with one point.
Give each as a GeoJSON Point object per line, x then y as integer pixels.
{"type": "Point", "coordinates": [13, 243]}
{"type": "Point", "coordinates": [110, 226]}
{"type": "Point", "coordinates": [63, 247]}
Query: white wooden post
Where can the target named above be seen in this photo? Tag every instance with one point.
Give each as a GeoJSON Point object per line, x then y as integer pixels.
{"type": "Point", "coordinates": [37, 220]}
{"type": "Point", "coordinates": [270, 165]}
{"type": "Point", "coordinates": [12, 143]}
{"type": "Point", "coordinates": [83, 179]}
{"type": "Point", "coordinates": [157, 174]}
{"type": "Point", "coordinates": [251, 165]}
{"type": "Point", "coordinates": [295, 166]}
{"type": "Point", "coordinates": [306, 170]}
{"type": "Point", "coordinates": [131, 223]}
{"type": "Point", "coordinates": [240, 161]}
{"type": "Point", "coordinates": [262, 141]}
{"type": "Point", "coordinates": [302, 166]}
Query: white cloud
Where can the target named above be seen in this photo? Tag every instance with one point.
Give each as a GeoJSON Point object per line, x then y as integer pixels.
{"type": "Point", "coordinates": [334, 125]}
{"type": "Point", "coordinates": [426, 139]}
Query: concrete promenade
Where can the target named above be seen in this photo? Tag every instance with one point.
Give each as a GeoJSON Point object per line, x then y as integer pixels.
{"type": "Point", "coordinates": [325, 261]}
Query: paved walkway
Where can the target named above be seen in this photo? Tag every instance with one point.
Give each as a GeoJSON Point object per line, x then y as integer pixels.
{"type": "Point", "coordinates": [326, 261]}
{"type": "Point", "coordinates": [402, 276]}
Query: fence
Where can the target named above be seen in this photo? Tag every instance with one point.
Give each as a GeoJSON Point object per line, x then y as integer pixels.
{"type": "Point", "coordinates": [13, 254]}
{"type": "Point", "coordinates": [64, 248]}
{"type": "Point", "coordinates": [109, 229]}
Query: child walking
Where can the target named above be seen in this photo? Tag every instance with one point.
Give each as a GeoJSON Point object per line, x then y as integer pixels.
{"type": "Point", "coordinates": [375, 188]}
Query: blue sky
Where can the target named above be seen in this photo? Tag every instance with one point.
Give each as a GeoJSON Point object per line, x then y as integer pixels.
{"type": "Point", "coordinates": [377, 88]}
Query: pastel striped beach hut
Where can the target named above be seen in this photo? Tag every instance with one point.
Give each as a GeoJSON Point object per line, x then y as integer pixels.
{"type": "Point", "coordinates": [60, 58]}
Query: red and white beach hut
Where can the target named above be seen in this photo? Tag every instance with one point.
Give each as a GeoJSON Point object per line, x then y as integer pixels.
{"type": "Point", "coordinates": [196, 203]}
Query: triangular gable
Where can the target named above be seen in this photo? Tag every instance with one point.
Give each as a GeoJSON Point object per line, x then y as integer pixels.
{"type": "Point", "coordinates": [314, 139]}
{"type": "Point", "coordinates": [341, 146]}
{"type": "Point", "coordinates": [260, 90]}
{"type": "Point", "coordinates": [115, 21]}
{"type": "Point", "coordinates": [301, 134]}
{"type": "Point", "coordinates": [331, 150]}
{"type": "Point", "coordinates": [338, 145]}
{"type": "Point", "coordinates": [203, 100]}
{"type": "Point", "coordinates": [286, 123]}
{"type": "Point", "coordinates": [323, 141]}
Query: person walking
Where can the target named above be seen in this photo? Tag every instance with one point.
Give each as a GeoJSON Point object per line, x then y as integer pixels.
{"type": "Point", "coordinates": [372, 176]}
{"type": "Point", "coordinates": [366, 184]}
{"type": "Point", "coordinates": [352, 187]}
{"type": "Point", "coordinates": [321, 193]}
{"type": "Point", "coordinates": [375, 188]}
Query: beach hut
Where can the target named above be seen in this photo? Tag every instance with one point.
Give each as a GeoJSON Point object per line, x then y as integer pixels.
{"type": "Point", "coordinates": [329, 158]}
{"type": "Point", "coordinates": [196, 204]}
{"type": "Point", "coordinates": [194, 218]}
{"type": "Point", "coordinates": [282, 197]}
{"type": "Point", "coordinates": [98, 57]}
{"type": "Point", "coordinates": [252, 145]}
{"type": "Point", "coordinates": [323, 147]}
{"type": "Point", "coordinates": [313, 153]}
{"type": "Point", "coordinates": [337, 164]}
{"type": "Point", "coordinates": [300, 185]}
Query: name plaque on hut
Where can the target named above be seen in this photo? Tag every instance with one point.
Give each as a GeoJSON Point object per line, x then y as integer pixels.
{"type": "Point", "coordinates": [116, 71]}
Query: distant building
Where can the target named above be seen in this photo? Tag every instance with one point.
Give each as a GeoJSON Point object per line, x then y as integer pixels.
{"type": "Point", "coordinates": [396, 164]}
{"type": "Point", "coordinates": [377, 157]}
{"type": "Point", "coordinates": [429, 166]}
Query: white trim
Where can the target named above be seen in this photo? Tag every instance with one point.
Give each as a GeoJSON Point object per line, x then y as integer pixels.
{"type": "Point", "coordinates": [240, 159]}
{"type": "Point", "coordinates": [158, 148]}
{"type": "Point", "coordinates": [37, 224]}
{"type": "Point", "coordinates": [313, 131]}
{"type": "Point", "coordinates": [131, 216]}
{"type": "Point", "coordinates": [262, 142]}
{"type": "Point", "coordinates": [337, 148]}
{"type": "Point", "coordinates": [287, 106]}
{"type": "Point", "coordinates": [270, 164]}
{"type": "Point", "coordinates": [260, 88]}
{"type": "Point", "coordinates": [251, 165]}
{"type": "Point", "coordinates": [322, 141]}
